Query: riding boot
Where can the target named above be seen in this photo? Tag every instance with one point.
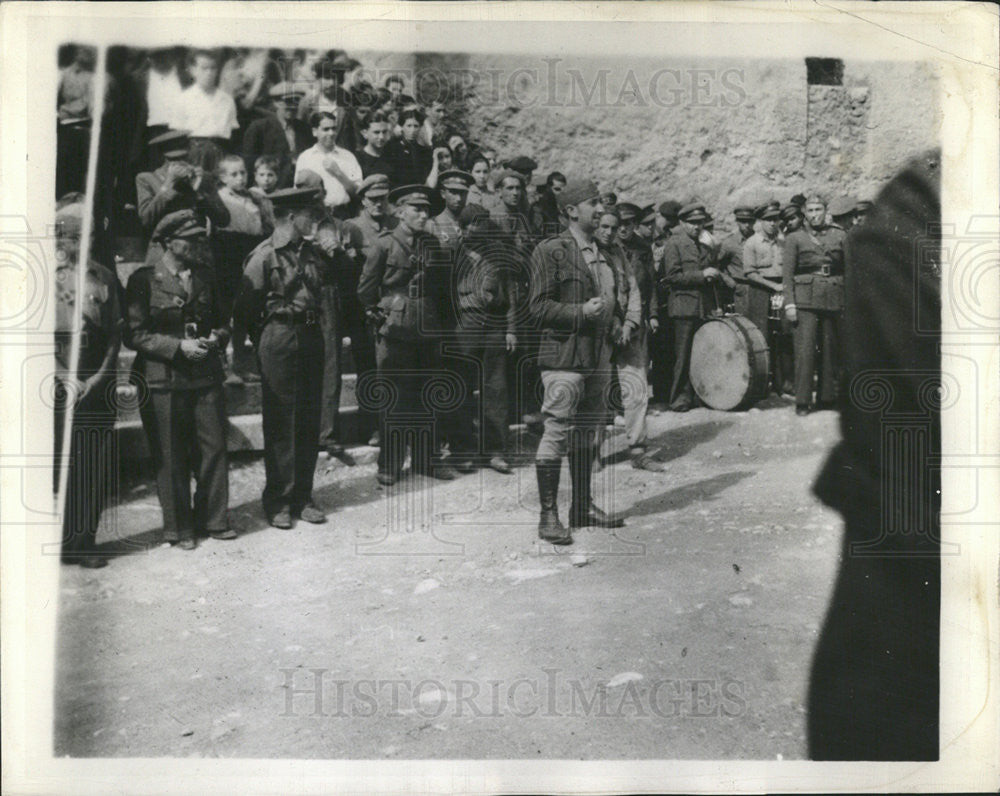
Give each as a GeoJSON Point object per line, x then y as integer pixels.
{"type": "Point", "coordinates": [549, 527]}
{"type": "Point", "coordinates": [583, 513]}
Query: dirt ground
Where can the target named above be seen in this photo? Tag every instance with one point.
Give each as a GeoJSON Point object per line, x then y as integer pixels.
{"type": "Point", "coordinates": [427, 620]}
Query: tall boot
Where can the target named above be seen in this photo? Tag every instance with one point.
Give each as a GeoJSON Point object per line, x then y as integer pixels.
{"type": "Point", "coordinates": [549, 527]}
{"type": "Point", "coordinates": [583, 513]}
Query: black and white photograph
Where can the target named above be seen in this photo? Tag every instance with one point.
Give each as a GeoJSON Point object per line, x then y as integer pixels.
{"type": "Point", "coordinates": [500, 397]}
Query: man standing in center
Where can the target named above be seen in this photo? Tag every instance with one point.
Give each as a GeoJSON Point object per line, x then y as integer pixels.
{"type": "Point", "coordinates": [574, 300]}
{"type": "Point", "coordinates": [279, 304]}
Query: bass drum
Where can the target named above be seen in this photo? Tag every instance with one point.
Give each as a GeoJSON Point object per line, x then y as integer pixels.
{"type": "Point", "coordinates": [730, 363]}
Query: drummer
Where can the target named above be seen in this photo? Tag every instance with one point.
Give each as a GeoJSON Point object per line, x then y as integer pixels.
{"type": "Point", "coordinates": [762, 300]}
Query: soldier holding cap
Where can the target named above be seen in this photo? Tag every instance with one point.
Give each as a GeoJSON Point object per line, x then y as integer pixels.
{"type": "Point", "coordinates": [176, 185]}
{"type": "Point", "coordinates": [403, 282]}
{"type": "Point", "coordinates": [813, 282]}
{"type": "Point", "coordinates": [176, 326]}
{"type": "Point", "coordinates": [575, 302]}
{"type": "Point", "coordinates": [280, 134]}
{"type": "Point", "coordinates": [762, 255]}
{"type": "Point", "coordinates": [92, 457]}
{"type": "Point", "coordinates": [689, 272]}
{"type": "Point", "coordinates": [280, 304]}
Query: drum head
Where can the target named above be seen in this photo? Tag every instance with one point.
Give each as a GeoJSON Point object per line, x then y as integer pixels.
{"type": "Point", "coordinates": [720, 364]}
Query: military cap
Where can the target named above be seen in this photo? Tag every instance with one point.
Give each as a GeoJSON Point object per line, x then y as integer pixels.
{"type": "Point", "coordinates": [695, 211]}
{"type": "Point", "coordinates": [577, 190]}
{"type": "Point", "coordinates": [455, 180]}
{"type": "Point", "coordinates": [374, 185]}
{"type": "Point", "coordinates": [863, 206]}
{"type": "Point", "coordinates": [295, 197]}
{"type": "Point", "coordinates": [172, 144]}
{"type": "Point", "coordinates": [744, 213]}
{"type": "Point", "coordinates": [843, 206]}
{"type": "Point", "coordinates": [307, 178]}
{"type": "Point", "coordinates": [69, 220]}
{"type": "Point", "coordinates": [472, 213]}
{"type": "Point", "coordinates": [769, 211]}
{"type": "Point", "coordinates": [179, 224]}
{"type": "Point", "coordinates": [522, 163]}
{"type": "Point", "coordinates": [286, 92]}
{"type": "Point", "coordinates": [815, 198]}
{"type": "Point", "coordinates": [669, 209]}
{"type": "Point", "coordinates": [418, 195]}
{"type": "Point", "coordinates": [509, 174]}
{"type": "Point", "coordinates": [627, 211]}
{"type": "Point", "coordinates": [790, 211]}
{"type": "Point", "coordinates": [647, 214]}
{"type": "Point", "coordinates": [799, 200]}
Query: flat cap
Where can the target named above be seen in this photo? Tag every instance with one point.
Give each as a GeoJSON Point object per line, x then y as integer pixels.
{"type": "Point", "coordinates": [771, 210]}
{"type": "Point", "coordinates": [173, 143]}
{"type": "Point", "coordinates": [509, 174]}
{"type": "Point", "coordinates": [455, 180]}
{"type": "Point", "coordinates": [286, 92]}
{"type": "Point", "coordinates": [577, 190]}
{"type": "Point", "coordinates": [744, 213]}
{"type": "Point", "coordinates": [695, 211]}
{"type": "Point", "coordinates": [790, 211]}
{"type": "Point", "coordinates": [522, 163]}
{"type": "Point", "coordinates": [295, 197]}
{"type": "Point", "coordinates": [374, 185]}
{"type": "Point", "coordinates": [410, 195]}
{"type": "Point", "coordinates": [669, 209]}
{"type": "Point", "coordinates": [627, 210]}
{"type": "Point", "coordinates": [815, 198]}
{"type": "Point", "coordinates": [179, 224]}
{"type": "Point", "coordinates": [843, 206]}
{"type": "Point", "coordinates": [307, 178]}
{"type": "Point", "coordinates": [69, 220]}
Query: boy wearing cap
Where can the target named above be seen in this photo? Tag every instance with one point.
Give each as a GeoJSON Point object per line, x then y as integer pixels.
{"type": "Point", "coordinates": [689, 272]}
{"type": "Point", "coordinates": [280, 305]}
{"type": "Point", "coordinates": [174, 321]}
{"type": "Point", "coordinates": [575, 303]}
{"type": "Point", "coordinates": [813, 285]}
{"type": "Point", "coordinates": [279, 134]}
{"type": "Point", "coordinates": [92, 459]}
{"type": "Point", "coordinates": [401, 288]}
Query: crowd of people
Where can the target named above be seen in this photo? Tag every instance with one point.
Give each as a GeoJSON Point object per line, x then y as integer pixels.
{"type": "Point", "coordinates": [280, 212]}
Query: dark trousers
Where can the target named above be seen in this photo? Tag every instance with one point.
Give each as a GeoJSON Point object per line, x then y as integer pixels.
{"type": "Point", "coordinates": [523, 378]}
{"type": "Point", "coordinates": [661, 360]}
{"type": "Point", "coordinates": [873, 690]}
{"type": "Point", "coordinates": [683, 330]}
{"type": "Point", "coordinates": [825, 326]}
{"type": "Point", "coordinates": [417, 400]}
{"type": "Point", "coordinates": [187, 434]}
{"type": "Point", "coordinates": [484, 356]}
{"type": "Point", "coordinates": [291, 373]}
{"type": "Point", "coordinates": [755, 304]}
{"type": "Point", "coordinates": [93, 469]}
{"type": "Point", "coordinates": [343, 317]}
{"type": "Point", "coordinates": [230, 250]}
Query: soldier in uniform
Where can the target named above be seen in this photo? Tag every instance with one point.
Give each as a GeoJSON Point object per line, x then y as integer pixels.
{"type": "Point", "coordinates": [791, 218]}
{"type": "Point", "coordinates": [176, 325]}
{"type": "Point", "coordinates": [454, 186]}
{"type": "Point", "coordinates": [633, 356]}
{"type": "Point", "coordinates": [575, 301]}
{"type": "Point", "coordinates": [404, 280]}
{"type": "Point", "coordinates": [730, 257]}
{"type": "Point", "coordinates": [280, 303]}
{"type": "Point", "coordinates": [656, 228]}
{"type": "Point", "coordinates": [92, 456]}
{"type": "Point", "coordinates": [843, 211]}
{"type": "Point", "coordinates": [690, 274]}
{"type": "Point", "coordinates": [374, 217]}
{"type": "Point", "coordinates": [762, 255]}
{"type": "Point", "coordinates": [813, 284]}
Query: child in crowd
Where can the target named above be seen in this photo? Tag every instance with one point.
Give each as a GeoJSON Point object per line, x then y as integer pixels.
{"type": "Point", "coordinates": [250, 221]}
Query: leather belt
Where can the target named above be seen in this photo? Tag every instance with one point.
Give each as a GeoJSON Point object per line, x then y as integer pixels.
{"type": "Point", "coordinates": [822, 271]}
{"type": "Point", "coordinates": [303, 318]}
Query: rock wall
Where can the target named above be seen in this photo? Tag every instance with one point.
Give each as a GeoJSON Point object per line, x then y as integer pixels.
{"type": "Point", "coordinates": [724, 130]}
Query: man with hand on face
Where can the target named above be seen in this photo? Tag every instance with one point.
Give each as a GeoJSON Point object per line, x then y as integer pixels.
{"type": "Point", "coordinates": [337, 166]}
{"type": "Point", "coordinates": [404, 282]}
{"type": "Point", "coordinates": [690, 274]}
{"type": "Point", "coordinates": [280, 305]}
{"type": "Point", "coordinates": [575, 302]}
{"type": "Point", "coordinates": [813, 283]}
{"type": "Point", "coordinates": [175, 324]}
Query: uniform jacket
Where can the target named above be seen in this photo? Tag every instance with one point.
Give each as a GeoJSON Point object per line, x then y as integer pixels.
{"type": "Point", "coordinates": [482, 290]}
{"type": "Point", "coordinates": [561, 283]}
{"type": "Point", "coordinates": [629, 300]}
{"type": "Point", "coordinates": [813, 268]}
{"type": "Point", "coordinates": [640, 257]}
{"type": "Point", "coordinates": [157, 310]}
{"type": "Point", "coordinates": [101, 318]}
{"type": "Point", "coordinates": [684, 260]}
{"type": "Point", "coordinates": [266, 136]}
{"type": "Point", "coordinates": [407, 279]}
{"type": "Point", "coordinates": [155, 203]}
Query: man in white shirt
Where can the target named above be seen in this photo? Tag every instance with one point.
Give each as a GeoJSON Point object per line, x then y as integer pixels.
{"type": "Point", "coordinates": [162, 92]}
{"type": "Point", "coordinates": [203, 109]}
{"type": "Point", "coordinates": [339, 169]}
